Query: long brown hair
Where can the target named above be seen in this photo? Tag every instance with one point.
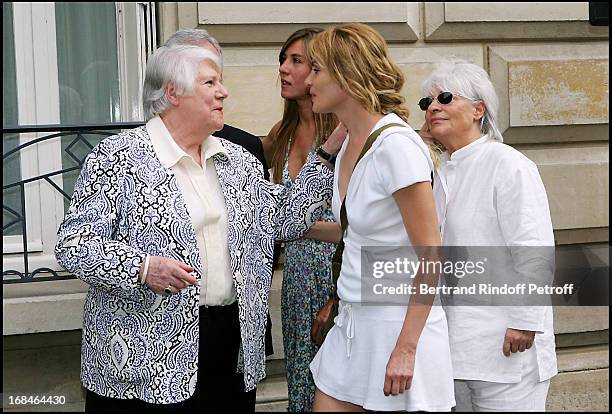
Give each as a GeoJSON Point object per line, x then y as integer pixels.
{"type": "Point", "coordinates": [324, 123]}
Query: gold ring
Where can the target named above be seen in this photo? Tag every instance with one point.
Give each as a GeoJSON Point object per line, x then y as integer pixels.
{"type": "Point", "coordinates": [168, 291]}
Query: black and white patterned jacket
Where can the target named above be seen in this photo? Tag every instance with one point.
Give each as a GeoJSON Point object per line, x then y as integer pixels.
{"type": "Point", "coordinates": [126, 204]}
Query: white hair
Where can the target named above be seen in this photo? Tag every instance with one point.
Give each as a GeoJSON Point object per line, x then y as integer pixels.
{"type": "Point", "coordinates": [175, 63]}
{"type": "Point", "coordinates": [193, 37]}
{"type": "Point", "coordinates": [471, 81]}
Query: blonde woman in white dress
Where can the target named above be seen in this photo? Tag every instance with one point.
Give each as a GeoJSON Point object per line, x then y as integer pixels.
{"type": "Point", "coordinates": [381, 357]}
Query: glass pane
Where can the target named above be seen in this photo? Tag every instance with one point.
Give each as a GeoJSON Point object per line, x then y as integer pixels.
{"type": "Point", "coordinates": [11, 167]}
{"type": "Point", "coordinates": [88, 69]}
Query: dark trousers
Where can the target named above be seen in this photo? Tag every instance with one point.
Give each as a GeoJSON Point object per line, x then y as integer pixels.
{"type": "Point", "coordinates": [218, 388]}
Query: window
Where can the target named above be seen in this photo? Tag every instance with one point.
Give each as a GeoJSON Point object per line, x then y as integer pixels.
{"type": "Point", "coordinates": [11, 171]}
{"type": "Point", "coordinates": [64, 63]}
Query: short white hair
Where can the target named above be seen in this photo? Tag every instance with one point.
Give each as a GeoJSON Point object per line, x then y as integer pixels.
{"type": "Point", "coordinates": [193, 37]}
{"type": "Point", "coordinates": [175, 63]}
{"type": "Point", "coordinates": [471, 81]}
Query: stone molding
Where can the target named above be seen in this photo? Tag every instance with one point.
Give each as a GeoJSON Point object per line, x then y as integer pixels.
{"type": "Point", "coordinates": [545, 88]}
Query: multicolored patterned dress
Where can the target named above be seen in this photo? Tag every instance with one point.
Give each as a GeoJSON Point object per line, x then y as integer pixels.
{"type": "Point", "coordinates": [307, 284]}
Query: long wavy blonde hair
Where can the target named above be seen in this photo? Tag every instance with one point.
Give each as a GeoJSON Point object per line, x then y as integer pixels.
{"type": "Point", "coordinates": [324, 123]}
{"type": "Point", "coordinates": [357, 58]}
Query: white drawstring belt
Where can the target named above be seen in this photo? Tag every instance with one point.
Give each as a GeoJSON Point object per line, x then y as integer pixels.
{"type": "Point", "coordinates": [346, 315]}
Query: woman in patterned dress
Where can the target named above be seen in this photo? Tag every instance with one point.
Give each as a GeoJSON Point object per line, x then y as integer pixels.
{"type": "Point", "coordinates": [307, 271]}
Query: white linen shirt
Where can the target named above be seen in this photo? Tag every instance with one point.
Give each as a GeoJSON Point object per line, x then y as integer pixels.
{"type": "Point", "coordinates": [204, 198]}
{"type": "Point", "coordinates": [489, 194]}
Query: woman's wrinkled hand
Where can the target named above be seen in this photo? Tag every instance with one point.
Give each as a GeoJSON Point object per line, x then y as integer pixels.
{"type": "Point", "coordinates": [400, 369]}
{"type": "Point", "coordinates": [164, 273]}
{"type": "Point", "coordinates": [517, 340]}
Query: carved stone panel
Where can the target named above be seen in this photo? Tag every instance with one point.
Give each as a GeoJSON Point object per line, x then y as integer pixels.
{"type": "Point", "coordinates": [240, 22]}
{"type": "Point", "coordinates": [576, 179]}
{"type": "Point", "coordinates": [469, 21]}
{"type": "Point", "coordinates": [552, 92]}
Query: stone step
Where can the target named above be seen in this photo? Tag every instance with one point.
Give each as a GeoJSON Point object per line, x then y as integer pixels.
{"type": "Point", "coordinates": [273, 407]}
{"type": "Point", "coordinates": [275, 315]}
{"type": "Point", "coordinates": [272, 393]}
{"type": "Point", "coordinates": [583, 358]}
{"type": "Point", "coordinates": [580, 391]}
{"type": "Point", "coordinates": [272, 389]}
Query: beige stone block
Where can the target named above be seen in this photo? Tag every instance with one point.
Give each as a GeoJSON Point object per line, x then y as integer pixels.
{"type": "Point", "coordinates": [575, 236]}
{"type": "Point", "coordinates": [42, 314]}
{"type": "Point", "coordinates": [43, 306]}
{"type": "Point", "coordinates": [576, 181]}
{"type": "Point", "coordinates": [551, 92]}
{"type": "Point", "coordinates": [254, 104]}
{"type": "Point", "coordinates": [273, 407]}
{"type": "Point", "coordinates": [558, 92]}
{"type": "Point", "coordinates": [572, 319]}
{"type": "Point", "coordinates": [168, 20]}
{"type": "Point", "coordinates": [252, 80]}
{"type": "Point", "coordinates": [39, 289]}
{"type": "Point", "coordinates": [579, 391]}
{"type": "Point", "coordinates": [515, 12]}
{"type": "Point", "coordinates": [583, 358]}
{"type": "Point", "coordinates": [582, 339]}
{"type": "Point", "coordinates": [328, 12]}
{"type": "Point", "coordinates": [452, 21]}
{"type": "Point", "coordinates": [275, 316]}
{"type": "Point", "coordinates": [277, 33]}
{"type": "Point", "coordinates": [187, 15]}
{"type": "Point", "coordinates": [272, 389]}
{"type": "Point", "coordinates": [273, 22]}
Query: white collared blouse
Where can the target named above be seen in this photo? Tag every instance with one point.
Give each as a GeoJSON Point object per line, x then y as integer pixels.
{"type": "Point", "coordinates": [204, 198]}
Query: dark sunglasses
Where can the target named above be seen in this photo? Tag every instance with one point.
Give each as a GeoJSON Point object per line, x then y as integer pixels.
{"type": "Point", "coordinates": [444, 98]}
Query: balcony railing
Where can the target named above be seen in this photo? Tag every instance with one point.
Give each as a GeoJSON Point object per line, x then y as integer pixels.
{"type": "Point", "coordinates": [18, 217]}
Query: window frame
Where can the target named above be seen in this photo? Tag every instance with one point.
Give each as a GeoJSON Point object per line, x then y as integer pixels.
{"type": "Point", "coordinates": [38, 104]}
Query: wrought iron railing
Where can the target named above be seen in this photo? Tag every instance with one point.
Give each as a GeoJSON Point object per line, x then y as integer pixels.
{"type": "Point", "coordinates": [19, 216]}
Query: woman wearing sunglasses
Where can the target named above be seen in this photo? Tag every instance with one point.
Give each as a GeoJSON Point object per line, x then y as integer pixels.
{"type": "Point", "coordinates": [488, 194]}
{"type": "Point", "coordinates": [380, 354]}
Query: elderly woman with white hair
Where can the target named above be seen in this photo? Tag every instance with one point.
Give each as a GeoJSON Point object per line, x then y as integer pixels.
{"type": "Point", "coordinates": [173, 229]}
{"type": "Point", "coordinates": [488, 194]}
